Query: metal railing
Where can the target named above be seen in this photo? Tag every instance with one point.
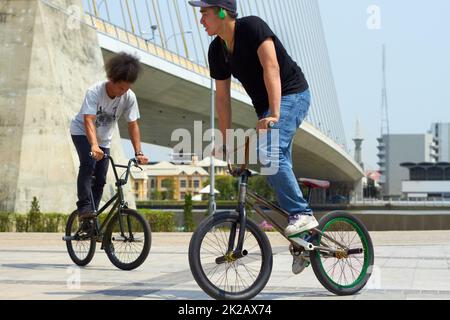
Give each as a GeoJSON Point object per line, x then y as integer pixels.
{"type": "Point", "coordinates": [132, 39]}
{"type": "Point", "coordinates": [137, 16]}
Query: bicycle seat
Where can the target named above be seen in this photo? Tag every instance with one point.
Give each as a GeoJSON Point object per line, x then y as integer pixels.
{"type": "Point", "coordinates": [315, 184]}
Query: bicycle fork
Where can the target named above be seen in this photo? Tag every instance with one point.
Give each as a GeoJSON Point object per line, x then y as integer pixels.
{"type": "Point", "coordinates": [238, 253]}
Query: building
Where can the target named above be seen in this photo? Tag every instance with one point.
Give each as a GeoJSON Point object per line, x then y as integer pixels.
{"type": "Point", "coordinates": [166, 180]}
{"type": "Point", "coordinates": [441, 133]}
{"type": "Point", "coordinates": [139, 182]}
{"type": "Point", "coordinates": [427, 181]}
{"type": "Point", "coordinates": [220, 167]}
{"type": "Point", "coordinates": [371, 184]}
{"type": "Point", "coordinates": [395, 149]}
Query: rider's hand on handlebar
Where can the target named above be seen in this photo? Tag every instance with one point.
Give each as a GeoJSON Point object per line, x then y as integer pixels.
{"type": "Point", "coordinates": [97, 153]}
{"type": "Point", "coordinates": [142, 160]}
{"type": "Point", "coordinates": [266, 123]}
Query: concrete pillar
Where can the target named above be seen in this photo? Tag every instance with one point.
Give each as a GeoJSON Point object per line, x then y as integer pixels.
{"type": "Point", "coordinates": [49, 59]}
{"type": "Point", "coordinates": [358, 191]}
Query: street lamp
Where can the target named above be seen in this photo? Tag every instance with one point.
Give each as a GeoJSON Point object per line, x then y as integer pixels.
{"type": "Point", "coordinates": [153, 28]}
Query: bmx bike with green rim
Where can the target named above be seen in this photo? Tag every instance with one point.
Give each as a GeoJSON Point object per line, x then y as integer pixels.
{"type": "Point", "coordinates": [124, 234]}
{"type": "Point", "coordinates": [230, 256]}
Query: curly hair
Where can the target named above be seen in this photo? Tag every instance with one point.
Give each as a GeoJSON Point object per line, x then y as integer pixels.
{"type": "Point", "coordinates": [123, 67]}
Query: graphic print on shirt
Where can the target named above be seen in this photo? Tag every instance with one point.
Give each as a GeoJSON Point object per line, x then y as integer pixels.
{"type": "Point", "coordinates": [105, 119]}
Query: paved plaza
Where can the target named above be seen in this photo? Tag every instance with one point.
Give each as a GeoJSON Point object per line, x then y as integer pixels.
{"type": "Point", "coordinates": [408, 265]}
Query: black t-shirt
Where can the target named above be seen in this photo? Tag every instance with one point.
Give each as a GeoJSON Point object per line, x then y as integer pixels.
{"type": "Point", "coordinates": [244, 63]}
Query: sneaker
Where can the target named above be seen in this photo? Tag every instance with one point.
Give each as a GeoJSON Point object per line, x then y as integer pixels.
{"type": "Point", "coordinates": [300, 263]}
{"type": "Point", "coordinates": [298, 224]}
{"type": "Point", "coordinates": [86, 216]}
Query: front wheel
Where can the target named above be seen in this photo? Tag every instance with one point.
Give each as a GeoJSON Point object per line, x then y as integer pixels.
{"type": "Point", "coordinates": [347, 271]}
{"type": "Point", "coordinates": [221, 275]}
{"type": "Point", "coordinates": [127, 247]}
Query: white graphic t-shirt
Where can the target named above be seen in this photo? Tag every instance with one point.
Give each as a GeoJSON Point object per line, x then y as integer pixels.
{"type": "Point", "coordinates": [108, 111]}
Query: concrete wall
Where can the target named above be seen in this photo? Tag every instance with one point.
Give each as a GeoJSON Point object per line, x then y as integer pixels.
{"type": "Point", "coordinates": [48, 62]}
{"type": "Point", "coordinates": [373, 222]}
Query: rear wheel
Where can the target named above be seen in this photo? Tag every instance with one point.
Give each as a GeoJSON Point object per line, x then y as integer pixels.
{"type": "Point", "coordinates": [343, 273]}
{"type": "Point", "coordinates": [81, 247]}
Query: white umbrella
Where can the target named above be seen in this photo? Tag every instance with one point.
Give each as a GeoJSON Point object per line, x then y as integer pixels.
{"type": "Point", "coordinates": [207, 190]}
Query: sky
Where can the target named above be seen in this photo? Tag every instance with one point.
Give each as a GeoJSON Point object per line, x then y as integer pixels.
{"type": "Point", "coordinates": [417, 38]}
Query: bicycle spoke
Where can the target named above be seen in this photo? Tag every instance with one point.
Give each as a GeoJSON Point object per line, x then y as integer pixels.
{"type": "Point", "coordinates": [233, 276]}
{"type": "Point", "coordinates": [343, 271]}
{"type": "Point", "coordinates": [129, 248]}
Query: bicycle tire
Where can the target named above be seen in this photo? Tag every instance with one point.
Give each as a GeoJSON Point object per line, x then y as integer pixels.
{"type": "Point", "coordinates": [76, 258]}
{"type": "Point", "coordinates": [198, 271]}
{"type": "Point", "coordinates": [111, 251]}
{"type": "Point", "coordinates": [323, 276]}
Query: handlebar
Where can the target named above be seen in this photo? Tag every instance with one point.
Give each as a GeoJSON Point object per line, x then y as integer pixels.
{"type": "Point", "coordinates": [131, 163]}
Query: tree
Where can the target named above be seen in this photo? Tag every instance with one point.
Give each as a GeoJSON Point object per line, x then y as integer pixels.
{"type": "Point", "coordinates": [260, 186]}
{"type": "Point", "coordinates": [188, 216]}
{"type": "Point", "coordinates": [156, 195]}
{"type": "Point", "coordinates": [169, 185]}
{"type": "Point", "coordinates": [35, 217]}
{"type": "Point", "coordinates": [227, 187]}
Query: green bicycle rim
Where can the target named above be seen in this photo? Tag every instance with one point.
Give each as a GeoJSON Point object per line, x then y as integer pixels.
{"type": "Point", "coordinates": [366, 254]}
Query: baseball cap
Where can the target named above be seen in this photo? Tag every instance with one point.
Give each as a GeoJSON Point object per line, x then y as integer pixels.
{"type": "Point", "coordinates": [229, 5]}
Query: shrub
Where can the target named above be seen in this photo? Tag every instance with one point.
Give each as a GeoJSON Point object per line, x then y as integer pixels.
{"type": "Point", "coordinates": [159, 221]}
{"type": "Point", "coordinates": [21, 222]}
{"type": "Point", "coordinates": [188, 217]}
{"type": "Point", "coordinates": [54, 222]}
{"type": "Point", "coordinates": [6, 222]}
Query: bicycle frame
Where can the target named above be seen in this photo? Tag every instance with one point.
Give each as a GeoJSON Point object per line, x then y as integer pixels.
{"type": "Point", "coordinates": [117, 201]}
{"type": "Point", "coordinates": [278, 218]}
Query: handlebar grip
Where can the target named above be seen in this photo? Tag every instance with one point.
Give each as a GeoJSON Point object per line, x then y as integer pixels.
{"type": "Point", "coordinates": [105, 155]}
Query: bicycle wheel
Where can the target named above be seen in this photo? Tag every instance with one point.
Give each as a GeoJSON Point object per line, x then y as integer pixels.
{"type": "Point", "coordinates": [82, 248]}
{"type": "Point", "coordinates": [239, 279]}
{"type": "Point", "coordinates": [343, 273]}
{"type": "Point", "coordinates": [129, 250]}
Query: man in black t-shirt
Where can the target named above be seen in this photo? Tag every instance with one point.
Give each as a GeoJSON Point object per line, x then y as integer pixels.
{"type": "Point", "coordinates": [247, 49]}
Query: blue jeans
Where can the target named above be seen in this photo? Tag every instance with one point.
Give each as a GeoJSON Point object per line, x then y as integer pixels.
{"type": "Point", "coordinates": [89, 168]}
{"type": "Point", "coordinates": [294, 109]}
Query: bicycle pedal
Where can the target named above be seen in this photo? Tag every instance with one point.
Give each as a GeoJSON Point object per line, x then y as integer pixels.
{"type": "Point", "coordinates": [303, 243]}
{"type": "Point", "coordinates": [88, 226]}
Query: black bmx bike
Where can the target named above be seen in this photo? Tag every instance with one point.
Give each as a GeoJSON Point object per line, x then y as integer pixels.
{"type": "Point", "coordinates": [230, 256]}
{"type": "Point", "coordinates": [124, 234]}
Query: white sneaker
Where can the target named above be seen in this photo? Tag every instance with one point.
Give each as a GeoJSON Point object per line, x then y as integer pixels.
{"type": "Point", "coordinates": [300, 263]}
{"type": "Point", "coordinates": [298, 224]}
